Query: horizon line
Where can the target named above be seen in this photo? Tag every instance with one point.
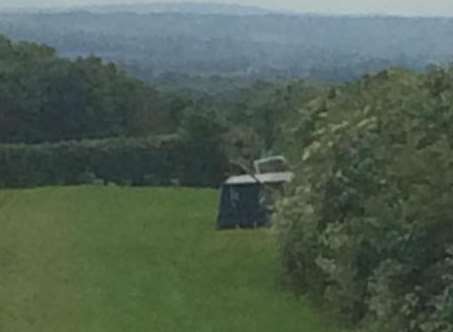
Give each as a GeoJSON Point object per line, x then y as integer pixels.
{"type": "Point", "coordinates": [60, 8]}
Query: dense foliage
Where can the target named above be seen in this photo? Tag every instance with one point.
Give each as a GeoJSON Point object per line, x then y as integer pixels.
{"type": "Point", "coordinates": [67, 122]}
{"type": "Point", "coordinates": [162, 160]}
{"type": "Point", "coordinates": [46, 98]}
{"type": "Point", "coordinates": [367, 225]}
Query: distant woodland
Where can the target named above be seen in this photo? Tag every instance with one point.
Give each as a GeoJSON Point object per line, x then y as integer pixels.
{"type": "Point", "coordinates": [179, 45]}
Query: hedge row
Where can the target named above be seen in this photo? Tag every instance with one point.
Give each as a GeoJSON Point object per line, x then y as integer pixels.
{"type": "Point", "coordinates": [162, 160]}
{"type": "Point", "coordinates": [368, 225]}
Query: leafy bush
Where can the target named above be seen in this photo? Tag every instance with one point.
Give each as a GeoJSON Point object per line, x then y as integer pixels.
{"type": "Point", "coordinates": [367, 225]}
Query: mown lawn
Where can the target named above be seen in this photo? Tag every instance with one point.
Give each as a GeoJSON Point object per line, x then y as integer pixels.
{"type": "Point", "coordinates": [107, 259]}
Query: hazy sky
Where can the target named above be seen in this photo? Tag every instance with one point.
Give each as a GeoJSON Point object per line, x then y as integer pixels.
{"type": "Point", "coordinates": [400, 7]}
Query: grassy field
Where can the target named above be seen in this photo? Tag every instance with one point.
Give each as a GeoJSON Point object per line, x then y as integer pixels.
{"type": "Point", "coordinates": [92, 259]}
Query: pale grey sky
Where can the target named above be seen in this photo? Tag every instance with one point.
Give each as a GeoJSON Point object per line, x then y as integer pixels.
{"type": "Point", "coordinates": [398, 7]}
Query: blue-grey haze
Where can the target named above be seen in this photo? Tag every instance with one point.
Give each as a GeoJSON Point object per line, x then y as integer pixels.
{"type": "Point", "coordinates": [395, 7]}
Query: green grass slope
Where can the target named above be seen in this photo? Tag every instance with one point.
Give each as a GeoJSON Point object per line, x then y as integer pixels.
{"type": "Point", "coordinates": [112, 259]}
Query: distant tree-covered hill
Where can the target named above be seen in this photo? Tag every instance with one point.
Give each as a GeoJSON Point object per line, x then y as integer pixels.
{"type": "Point", "coordinates": [207, 42]}
{"type": "Point", "coordinates": [180, 7]}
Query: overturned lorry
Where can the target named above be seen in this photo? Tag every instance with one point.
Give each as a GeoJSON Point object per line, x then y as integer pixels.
{"type": "Point", "coordinates": [246, 201]}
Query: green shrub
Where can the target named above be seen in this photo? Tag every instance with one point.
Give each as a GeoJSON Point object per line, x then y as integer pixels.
{"type": "Point", "coordinates": [367, 225]}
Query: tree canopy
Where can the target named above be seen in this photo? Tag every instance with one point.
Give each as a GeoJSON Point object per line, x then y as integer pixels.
{"type": "Point", "coordinates": [47, 98]}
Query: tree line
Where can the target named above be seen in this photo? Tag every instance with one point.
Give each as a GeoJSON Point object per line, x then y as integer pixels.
{"type": "Point", "coordinates": [47, 101]}
{"type": "Point", "coordinates": [45, 98]}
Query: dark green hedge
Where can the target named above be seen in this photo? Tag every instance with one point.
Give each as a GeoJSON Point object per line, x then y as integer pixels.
{"type": "Point", "coordinates": [162, 160]}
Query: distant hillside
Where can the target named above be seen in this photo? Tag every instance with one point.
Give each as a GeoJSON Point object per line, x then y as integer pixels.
{"type": "Point", "coordinates": [201, 8]}
{"type": "Point", "coordinates": [180, 7]}
{"type": "Point", "coordinates": [190, 39]}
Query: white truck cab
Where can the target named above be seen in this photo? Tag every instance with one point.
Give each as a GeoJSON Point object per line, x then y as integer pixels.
{"type": "Point", "coordinates": [274, 164]}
